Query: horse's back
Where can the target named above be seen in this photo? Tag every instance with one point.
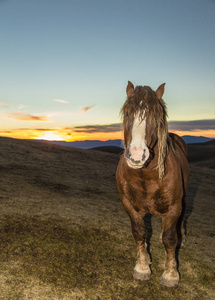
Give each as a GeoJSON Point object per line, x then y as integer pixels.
{"type": "Point", "coordinates": [177, 140]}
{"type": "Point", "coordinates": [180, 148]}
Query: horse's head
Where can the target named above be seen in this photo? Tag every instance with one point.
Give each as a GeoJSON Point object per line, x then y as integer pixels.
{"type": "Point", "coordinates": [145, 125]}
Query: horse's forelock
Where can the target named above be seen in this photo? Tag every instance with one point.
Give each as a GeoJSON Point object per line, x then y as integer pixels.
{"type": "Point", "coordinates": [143, 101]}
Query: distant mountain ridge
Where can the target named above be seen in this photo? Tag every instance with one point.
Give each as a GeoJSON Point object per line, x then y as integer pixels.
{"type": "Point", "coordinates": [88, 144]}
{"type": "Point", "coordinates": [190, 139]}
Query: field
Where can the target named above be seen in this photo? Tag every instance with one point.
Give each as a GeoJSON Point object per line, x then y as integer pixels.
{"type": "Point", "coordinates": [64, 233]}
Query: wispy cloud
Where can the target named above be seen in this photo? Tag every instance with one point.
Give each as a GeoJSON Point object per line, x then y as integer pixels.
{"type": "Point", "coordinates": [45, 129]}
{"type": "Point", "coordinates": [173, 125]}
{"type": "Point", "coordinates": [98, 128]}
{"type": "Point", "coordinates": [26, 117]}
{"type": "Point", "coordinates": [5, 131]}
{"type": "Point", "coordinates": [35, 129]}
{"type": "Point", "coordinates": [192, 125]}
{"type": "Point", "coordinates": [4, 105]}
{"type": "Point", "coordinates": [61, 101]}
{"type": "Point", "coordinates": [87, 108]}
{"type": "Point", "coordinates": [21, 106]}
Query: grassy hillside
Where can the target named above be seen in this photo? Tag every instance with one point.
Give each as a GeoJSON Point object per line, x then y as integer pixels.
{"type": "Point", "coordinates": [202, 154]}
{"type": "Point", "coordinates": [64, 234]}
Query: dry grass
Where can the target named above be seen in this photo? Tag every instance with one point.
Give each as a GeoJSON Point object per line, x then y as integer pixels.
{"type": "Point", "coordinates": [64, 234]}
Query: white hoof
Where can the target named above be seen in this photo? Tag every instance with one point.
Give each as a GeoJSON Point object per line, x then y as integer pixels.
{"type": "Point", "coordinates": [170, 279]}
{"type": "Point", "coordinates": [141, 274]}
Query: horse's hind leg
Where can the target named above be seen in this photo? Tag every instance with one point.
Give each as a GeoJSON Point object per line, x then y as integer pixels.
{"type": "Point", "coordinates": [142, 270]}
{"type": "Point", "coordinates": [181, 232]}
{"type": "Point", "coordinates": [181, 229]}
{"type": "Point", "coordinates": [161, 234]}
{"type": "Point", "coordinates": [183, 236]}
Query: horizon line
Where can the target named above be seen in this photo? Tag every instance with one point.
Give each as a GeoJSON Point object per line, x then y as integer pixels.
{"type": "Point", "coordinates": [91, 140]}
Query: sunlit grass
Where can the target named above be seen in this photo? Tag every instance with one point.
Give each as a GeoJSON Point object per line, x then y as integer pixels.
{"type": "Point", "coordinates": [43, 259]}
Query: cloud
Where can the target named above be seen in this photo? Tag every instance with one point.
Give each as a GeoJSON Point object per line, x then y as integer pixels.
{"type": "Point", "coordinates": [35, 129]}
{"type": "Point", "coordinates": [25, 129]}
{"type": "Point", "coordinates": [173, 125]}
{"type": "Point", "coordinates": [192, 125]}
{"type": "Point", "coordinates": [21, 106]}
{"type": "Point", "coordinates": [4, 105]}
{"type": "Point", "coordinates": [6, 131]}
{"type": "Point", "coordinates": [61, 101]}
{"type": "Point", "coordinates": [196, 125]}
{"type": "Point", "coordinates": [44, 129]}
{"type": "Point", "coordinates": [87, 108]}
{"type": "Point", "coordinates": [98, 128]}
{"type": "Point", "coordinates": [26, 117]}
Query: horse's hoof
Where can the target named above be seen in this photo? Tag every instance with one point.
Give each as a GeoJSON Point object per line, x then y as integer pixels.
{"type": "Point", "coordinates": [142, 275]}
{"type": "Point", "coordinates": [169, 280]}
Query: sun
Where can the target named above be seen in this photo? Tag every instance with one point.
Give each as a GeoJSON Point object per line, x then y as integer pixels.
{"type": "Point", "coordinates": [50, 136]}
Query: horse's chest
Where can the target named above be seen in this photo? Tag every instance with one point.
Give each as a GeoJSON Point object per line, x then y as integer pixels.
{"type": "Point", "coordinates": [149, 198]}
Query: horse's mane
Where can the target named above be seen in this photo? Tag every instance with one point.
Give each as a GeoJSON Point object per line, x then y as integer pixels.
{"type": "Point", "coordinates": [144, 99]}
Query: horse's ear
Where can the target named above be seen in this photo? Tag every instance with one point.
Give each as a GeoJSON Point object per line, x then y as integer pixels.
{"type": "Point", "coordinates": [160, 90]}
{"type": "Point", "coordinates": [130, 88]}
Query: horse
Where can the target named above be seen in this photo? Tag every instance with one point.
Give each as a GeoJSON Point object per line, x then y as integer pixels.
{"type": "Point", "coordinates": [152, 177]}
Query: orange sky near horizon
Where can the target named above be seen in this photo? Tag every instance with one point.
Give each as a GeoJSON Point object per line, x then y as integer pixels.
{"type": "Point", "coordinates": [61, 135]}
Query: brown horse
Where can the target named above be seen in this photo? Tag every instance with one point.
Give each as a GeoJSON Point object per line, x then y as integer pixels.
{"type": "Point", "coordinates": [152, 176]}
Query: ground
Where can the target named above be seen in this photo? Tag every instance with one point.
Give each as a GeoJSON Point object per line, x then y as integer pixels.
{"type": "Point", "coordinates": [65, 235]}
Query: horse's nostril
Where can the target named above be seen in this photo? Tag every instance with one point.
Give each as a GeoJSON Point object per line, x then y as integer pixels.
{"type": "Point", "coordinates": [127, 153]}
{"type": "Point", "coordinates": [143, 156]}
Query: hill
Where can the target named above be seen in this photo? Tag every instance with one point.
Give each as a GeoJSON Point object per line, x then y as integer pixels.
{"type": "Point", "coordinates": [109, 149]}
{"type": "Point", "coordinates": [202, 154]}
{"type": "Point", "coordinates": [87, 144]}
{"type": "Point", "coordinates": [65, 235]}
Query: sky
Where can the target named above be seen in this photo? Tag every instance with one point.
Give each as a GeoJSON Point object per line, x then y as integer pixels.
{"type": "Point", "coordinates": [65, 64]}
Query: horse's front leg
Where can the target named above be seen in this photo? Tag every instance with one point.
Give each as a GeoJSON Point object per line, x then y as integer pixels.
{"type": "Point", "coordinates": [142, 270]}
{"type": "Point", "coordinates": [170, 276]}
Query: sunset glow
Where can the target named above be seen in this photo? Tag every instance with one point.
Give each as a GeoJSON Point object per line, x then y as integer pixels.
{"type": "Point", "coordinates": [205, 133]}
{"type": "Point", "coordinates": [49, 136]}
{"type": "Point", "coordinates": [62, 135]}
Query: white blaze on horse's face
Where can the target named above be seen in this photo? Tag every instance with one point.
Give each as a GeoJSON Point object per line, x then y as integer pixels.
{"type": "Point", "coordinates": [137, 153]}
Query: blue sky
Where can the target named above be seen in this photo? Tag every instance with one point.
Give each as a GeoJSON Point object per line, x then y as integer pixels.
{"type": "Point", "coordinates": [66, 63]}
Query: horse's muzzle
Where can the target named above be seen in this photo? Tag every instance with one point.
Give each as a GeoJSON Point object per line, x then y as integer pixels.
{"type": "Point", "coordinates": [136, 157]}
